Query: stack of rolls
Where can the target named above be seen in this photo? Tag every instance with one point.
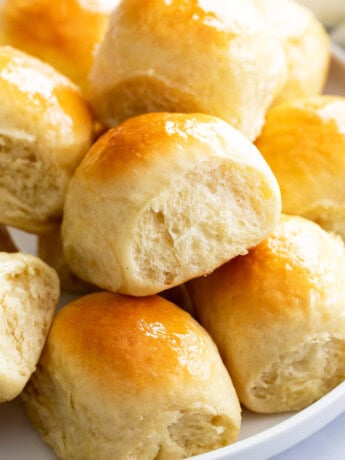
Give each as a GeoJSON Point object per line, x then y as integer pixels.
{"type": "Point", "coordinates": [174, 200]}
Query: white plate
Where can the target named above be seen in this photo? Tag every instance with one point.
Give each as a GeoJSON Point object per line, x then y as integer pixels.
{"type": "Point", "coordinates": [261, 437]}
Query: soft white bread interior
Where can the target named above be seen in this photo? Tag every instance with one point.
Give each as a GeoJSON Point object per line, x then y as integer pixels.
{"type": "Point", "coordinates": [187, 56]}
{"type": "Point", "coordinates": [29, 291]}
{"type": "Point", "coordinates": [51, 252]}
{"type": "Point", "coordinates": [164, 198]}
{"type": "Point", "coordinates": [303, 141]}
{"type": "Point", "coordinates": [277, 316]}
{"type": "Point", "coordinates": [131, 378]}
{"type": "Point", "coordinates": [306, 46]}
{"type": "Point", "coordinates": [45, 129]}
{"type": "Point", "coordinates": [64, 33]}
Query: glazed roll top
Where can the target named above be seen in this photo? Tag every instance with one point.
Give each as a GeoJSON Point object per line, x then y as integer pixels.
{"type": "Point", "coordinates": [304, 143]}
{"type": "Point", "coordinates": [277, 316]}
{"type": "Point", "coordinates": [45, 130]}
{"type": "Point", "coordinates": [124, 377]}
{"type": "Point", "coordinates": [164, 198]}
{"type": "Point", "coordinates": [64, 33]}
{"type": "Point", "coordinates": [187, 56]}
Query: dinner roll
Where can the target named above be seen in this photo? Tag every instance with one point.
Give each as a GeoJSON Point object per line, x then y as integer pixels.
{"type": "Point", "coordinates": [64, 33]}
{"type": "Point", "coordinates": [277, 316]}
{"type": "Point", "coordinates": [304, 143]}
{"type": "Point", "coordinates": [164, 198]}
{"type": "Point", "coordinates": [45, 129]}
{"type": "Point", "coordinates": [305, 43]}
{"type": "Point", "coordinates": [29, 291]}
{"type": "Point", "coordinates": [51, 252]}
{"type": "Point", "coordinates": [131, 378]}
{"type": "Point", "coordinates": [187, 56]}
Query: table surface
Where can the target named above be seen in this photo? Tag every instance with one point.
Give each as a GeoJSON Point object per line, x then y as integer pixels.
{"type": "Point", "coordinates": [326, 444]}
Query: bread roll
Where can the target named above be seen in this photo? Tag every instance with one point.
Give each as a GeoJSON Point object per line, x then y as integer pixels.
{"type": "Point", "coordinates": [164, 198]}
{"type": "Point", "coordinates": [187, 56]}
{"type": "Point", "coordinates": [277, 316]}
{"type": "Point", "coordinates": [51, 252]}
{"type": "Point", "coordinates": [45, 130]}
{"type": "Point", "coordinates": [131, 378]}
{"type": "Point", "coordinates": [306, 45]}
{"type": "Point", "coordinates": [64, 33]}
{"type": "Point", "coordinates": [304, 143]}
{"type": "Point", "coordinates": [29, 291]}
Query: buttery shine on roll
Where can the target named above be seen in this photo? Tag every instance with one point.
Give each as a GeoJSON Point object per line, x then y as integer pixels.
{"type": "Point", "coordinates": [303, 141]}
{"type": "Point", "coordinates": [131, 378]}
{"type": "Point", "coordinates": [45, 129]}
{"type": "Point", "coordinates": [277, 316]}
{"type": "Point", "coordinates": [164, 198]}
{"type": "Point", "coordinates": [64, 33]}
{"type": "Point", "coordinates": [187, 56]}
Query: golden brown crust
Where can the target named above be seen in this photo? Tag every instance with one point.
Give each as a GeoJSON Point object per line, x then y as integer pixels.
{"type": "Point", "coordinates": [303, 141]}
{"type": "Point", "coordinates": [46, 127]}
{"type": "Point", "coordinates": [124, 377]}
{"type": "Point", "coordinates": [131, 338]}
{"type": "Point", "coordinates": [264, 309]}
{"type": "Point", "coordinates": [136, 69]}
{"type": "Point", "coordinates": [64, 33]}
{"type": "Point", "coordinates": [163, 198]}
